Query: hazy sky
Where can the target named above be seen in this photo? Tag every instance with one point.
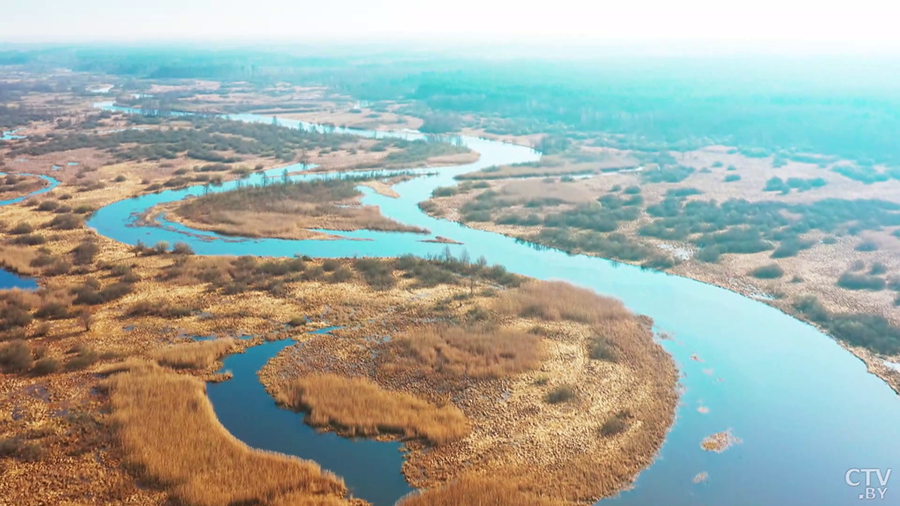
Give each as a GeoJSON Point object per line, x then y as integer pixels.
{"type": "Point", "coordinates": [811, 23]}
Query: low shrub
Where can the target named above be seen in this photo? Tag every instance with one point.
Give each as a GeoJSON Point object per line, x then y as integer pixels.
{"type": "Point", "coordinates": [615, 424]}
{"type": "Point", "coordinates": [22, 228]}
{"type": "Point", "coordinates": [160, 309]}
{"type": "Point", "coordinates": [12, 316]}
{"type": "Point", "coordinates": [182, 248]}
{"type": "Point", "coordinates": [377, 274]}
{"type": "Point", "coordinates": [298, 321]}
{"type": "Point", "coordinates": [851, 281]}
{"type": "Point", "coordinates": [560, 394]}
{"type": "Point", "coordinates": [52, 311]}
{"type": "Point", "coordinates": [30, 240]}
{"type": "Point", "coordinates": [601, 349]}
{"type": "Point", "coordinates": [83, 358]}
{"type": "Point", "coordinates": [878, 268]}
{"type": "Point", "coordinates": [15, 357]}
{"type": "Point", "coordinates": [771, 271]}
{"type": "Point", "coordinates": [21, 449]}
{"type": "Point", "coordinates": [48, 205]}
{"type": "Point", "coordinates": [85, 252]}
{"type": "Point", "coordinates": [66, 222]}
{"type": "Point", "coordinates": [445, 191]}
{"type": "Point", "coordinates": [866, 246]}
{"type": "Point", "coordinates": [58, 268]}
{"type": "Point", "coordinates": [45, 366]}
{"type": "Point", "coordinates": [709, 254]}
{"type": "Point", "coordinates": [340, 275]}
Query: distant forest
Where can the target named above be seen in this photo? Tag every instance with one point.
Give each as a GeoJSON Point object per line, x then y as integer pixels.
{"type": "Point", "coordinates": [780, 106]}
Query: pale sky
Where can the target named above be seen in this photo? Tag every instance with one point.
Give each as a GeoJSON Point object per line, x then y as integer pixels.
{"type": "Point", "coordinates": [863, 24]}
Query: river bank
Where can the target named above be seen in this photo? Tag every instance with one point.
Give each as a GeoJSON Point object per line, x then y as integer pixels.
{"type": "Point", "coordinates": [578, 413]}
{"type": "Point", "coordinates": [733, 354]}
{"type": "Point", "coordinates": [814, 269]}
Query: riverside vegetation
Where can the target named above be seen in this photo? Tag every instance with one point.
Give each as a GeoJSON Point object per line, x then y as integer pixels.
{"type": "Point", "coordinates": [531, 341]}
{"type": "Point", "coordinates": [287, 209]}
{"type": "Point", "coordinates": [98, 362]}
{"type": "Point", "coordinates": [679, 215]}
{"type": "Point", "coordinates": [107, 309]}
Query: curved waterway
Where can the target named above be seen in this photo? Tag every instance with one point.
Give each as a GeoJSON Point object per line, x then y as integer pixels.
{"type": "Point", "coordinates": [805, 409]}
{"type": "Point", "coordinates": [51, 184]}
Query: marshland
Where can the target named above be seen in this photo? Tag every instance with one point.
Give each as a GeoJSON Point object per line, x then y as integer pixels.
{"type": "Point", "coordinates": [461, 293]}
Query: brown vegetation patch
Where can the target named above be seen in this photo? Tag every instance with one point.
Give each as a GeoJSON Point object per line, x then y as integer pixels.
{"type": "Point", "coordinates": [466, 352]}
{"type": "Point", "coordinates": [557, 300]}
{"type": "Point", "coordinates": [18, 259]}
{"type": "Point", "coordinates": [500, 368]}
{"type": "Point", "coordinates": [199, 355]}
{"type": "Point", "coordinates": [358, 406]}
{"type": "Point", "coordinates": [286, 210]}
{"type": "Point", "coordinates": [476, 491]}
{"type": "Point", "coordinates": [720, 441]}
{"type": "Point", "coordinates": [14, 186]}
{"type": "Point", "coordinates": [199, 462]}
{"type": "Point", "coordinates": [582, 162]}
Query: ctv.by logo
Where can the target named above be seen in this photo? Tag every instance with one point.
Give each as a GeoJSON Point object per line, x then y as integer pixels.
{"type": "Point", "coordinates": [853, 478]}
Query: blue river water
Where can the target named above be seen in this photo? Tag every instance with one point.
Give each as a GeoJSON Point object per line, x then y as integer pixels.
{"type": "Point", "coordinates": [11, 280]}
{"type": "Point", "coordinates": [370, 468]}
{"type": "Point", "coordinates": [10, 135]}
{"type": "Point", "coordinates": [805, 409]}
{"type": "Point", "coordinates": [51, 184]}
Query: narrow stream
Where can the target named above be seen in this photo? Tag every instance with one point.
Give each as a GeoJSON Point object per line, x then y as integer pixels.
{"type": "Point", "coordinates": [806, 410]}
{"type": "Point", "coordinates": [51, 184]}
{"type": "Point", "coordinates": [370, 468]}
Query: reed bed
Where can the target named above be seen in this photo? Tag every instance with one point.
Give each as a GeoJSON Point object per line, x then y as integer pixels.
{"type": "Point", "coordinates": [171, 437]}
{"type": "Point", "coordinates": [473, 491]}
{"type": "Point", "coordinates": [359, 406]}
{"type": "Point", "coordinates": [197, 355]}
{"type": "Point", "coordinates": [467, 352]}
{"type": "Point", "coordinates": [557, 300]}
{"type": "Point", "coordinates": [18, 259]}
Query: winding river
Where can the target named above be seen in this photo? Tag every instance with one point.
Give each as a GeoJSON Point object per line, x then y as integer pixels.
{"type": "Point", "coordinates": [805, 409]}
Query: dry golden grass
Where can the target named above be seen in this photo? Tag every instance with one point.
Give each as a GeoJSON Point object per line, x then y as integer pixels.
{"type": "Point", "coordinates": [23, 298]}
{"type": "Point", "coordinates": [287, 211]}
{"type": "Point", "coordinates": [296, 226]}
{"type": "Point", "coordinates": [170, 433]}
{"type": "Point", "coordinates": [361, 407]}
{"type": "Point", "coordinates": [18, 259]}
{"type": "Point", "coordinates": [523, 190]}
{"type": "Point", "coordinates": [584, 162]}
{"type": "Point", "coordinates": [472, 491]}
{"type": "Point", "coordinates": [198, 355]}
{"type": "Point", "coordinates": [557, 300]}
{"type": "Point", "coordinates": [466, 352]}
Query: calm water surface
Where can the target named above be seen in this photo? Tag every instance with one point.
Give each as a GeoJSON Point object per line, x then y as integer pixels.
{"type": "Point", "coordinates": [805, 409]}
{"type": "Point", "coordinates": [11, 280]}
